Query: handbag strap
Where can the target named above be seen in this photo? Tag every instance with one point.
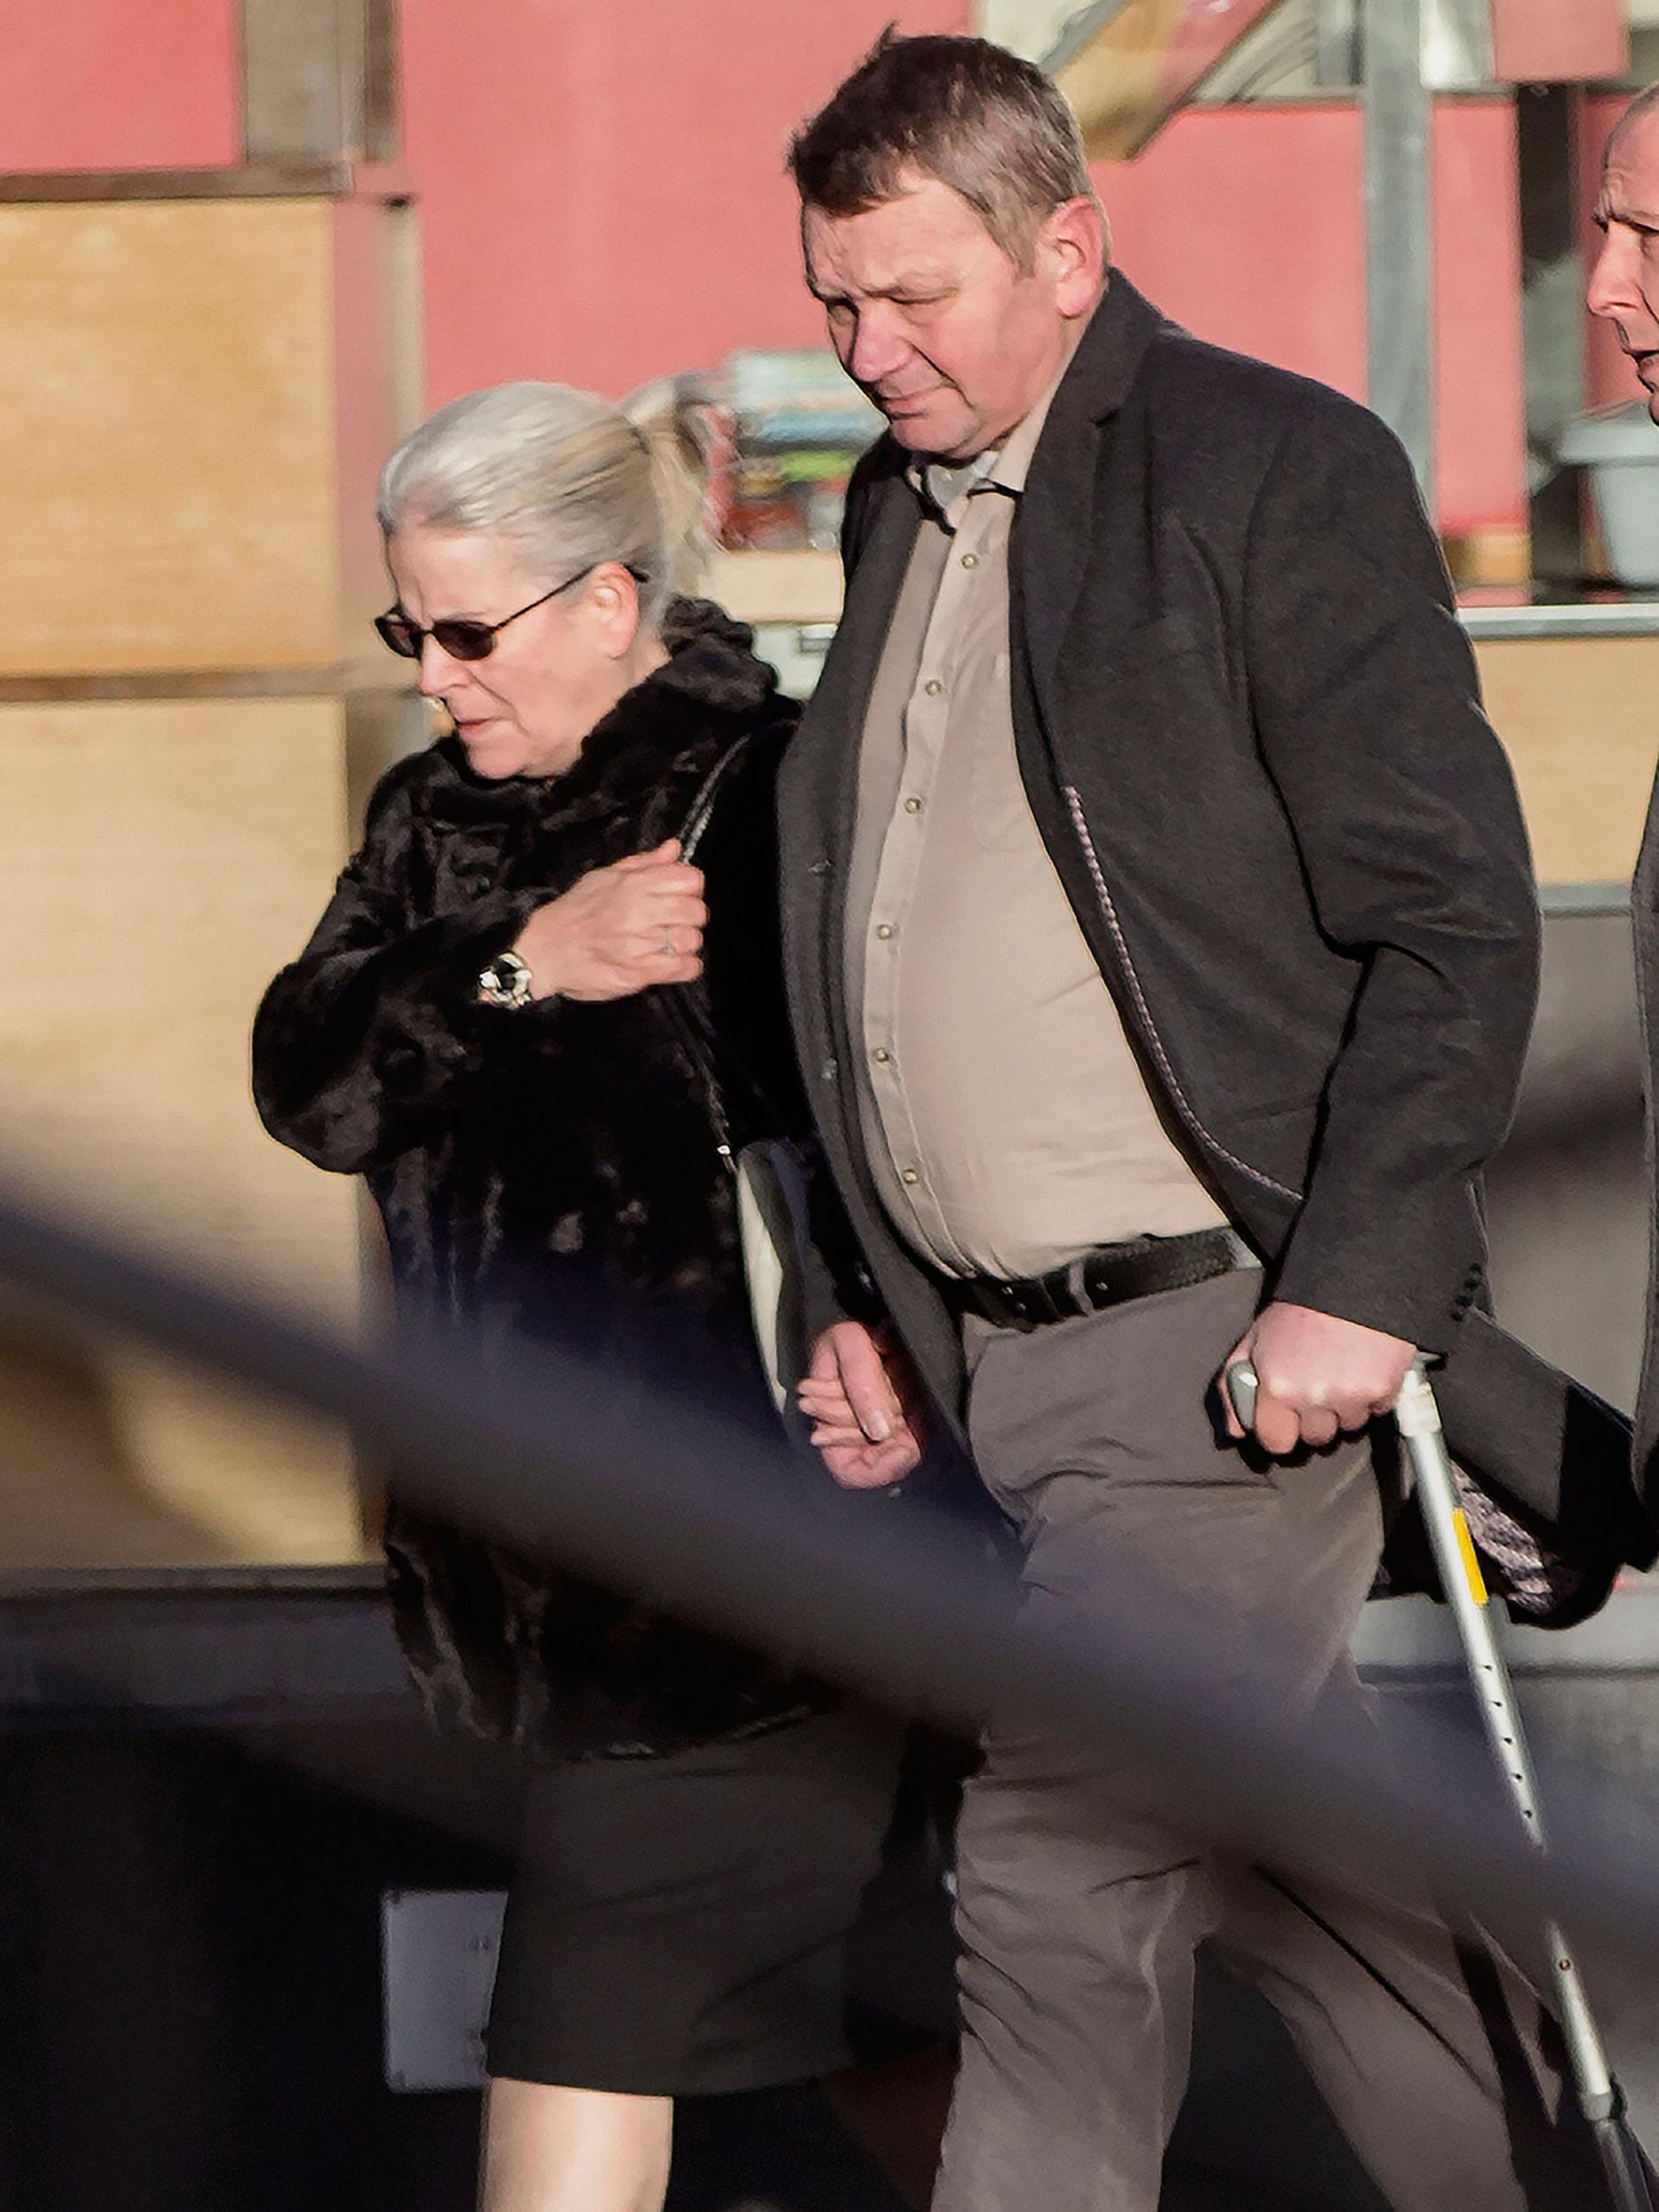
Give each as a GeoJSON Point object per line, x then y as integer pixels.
{"type": "Point", "coordinates": [689, 1018]}
{"type": "Point", "coordinates": [701, 807]}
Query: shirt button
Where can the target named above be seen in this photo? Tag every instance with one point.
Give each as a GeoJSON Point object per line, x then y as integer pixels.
{"type": "Point", "coordinates": [970, 560]}
{"type": "Point", "coordinates": [828, 1071]}
{"type": "Point", "coordinates": [884, 929]}
{"type": "Point", "coordinates": [932, 687]}
{"type": "Point", "coordinates": [881, 1055]}
{"type": "Point", "coordinates": [909, 1176]}
{"type": "Point", "coordinates": [912, 806]}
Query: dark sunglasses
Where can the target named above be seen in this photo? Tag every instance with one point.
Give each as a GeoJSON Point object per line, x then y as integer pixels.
{"type": "Point", "coordinates": [462, 639]}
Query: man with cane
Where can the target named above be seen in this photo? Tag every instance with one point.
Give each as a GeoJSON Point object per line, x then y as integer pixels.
{"type": "Point", "coordinates": [1162, 952]}
{"type": "Point", "coordinates": [1624, 292]}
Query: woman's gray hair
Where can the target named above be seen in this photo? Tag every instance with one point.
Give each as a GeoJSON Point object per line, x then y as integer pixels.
{"type": "Point", "coordinates": [575, 479]}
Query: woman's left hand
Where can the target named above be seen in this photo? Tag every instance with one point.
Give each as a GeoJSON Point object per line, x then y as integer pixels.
{"type": "Point", "coordinates": [618, 929]}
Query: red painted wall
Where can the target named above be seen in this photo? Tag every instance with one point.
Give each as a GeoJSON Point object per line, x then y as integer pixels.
{"type": "Point", "coordinates": [119, 84]}
{"type": "Point", "coordinates": [602, 199]}
{"type": "Point", "coordinates": [1251, 236]}
{"type": "Point", "coordinates": [603, 195]}
{"type": "Point", "coordinates": [1539, 41]}
{"type": "Point", "coordinates": [1248, 225]}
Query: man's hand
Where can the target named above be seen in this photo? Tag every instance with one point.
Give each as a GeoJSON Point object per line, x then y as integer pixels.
{"type": "Point", "coordinates": [868, 1434]}
{"type": "Point", "coordinates": [617, 930]}
{"type": "Point", "coordinates": [1316, 1377]}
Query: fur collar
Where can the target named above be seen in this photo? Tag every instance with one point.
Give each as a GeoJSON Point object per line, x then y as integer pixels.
{"type": "Point", "coordinates": [710, 689]}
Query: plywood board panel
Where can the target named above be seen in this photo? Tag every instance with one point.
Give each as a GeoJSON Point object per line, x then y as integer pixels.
{"type": "Point", "coordinates": [376, 381]}
{"type": "Point", "coordinates": [1579, 719]}
{"type": "Point", "coordinates": [801, 587]}
{"type": "Point", "coordinates": [167, 857]}
{"type": "Point", "coordinates": [167, 436]}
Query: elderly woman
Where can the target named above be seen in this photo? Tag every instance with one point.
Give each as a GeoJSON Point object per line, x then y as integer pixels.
{"type": "Point", "coordinates": [484, 1025]}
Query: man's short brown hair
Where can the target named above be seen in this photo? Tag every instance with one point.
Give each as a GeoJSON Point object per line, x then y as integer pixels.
{"type": "Point", "coordinates": [972, 115]}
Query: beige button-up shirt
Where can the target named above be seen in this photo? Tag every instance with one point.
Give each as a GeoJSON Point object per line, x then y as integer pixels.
{"type": "Point", "coordinates": [1009, 1123]}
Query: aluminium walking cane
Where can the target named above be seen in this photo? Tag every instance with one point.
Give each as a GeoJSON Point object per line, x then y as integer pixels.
{"type": "Point", "coordinates": [1418, 1419]}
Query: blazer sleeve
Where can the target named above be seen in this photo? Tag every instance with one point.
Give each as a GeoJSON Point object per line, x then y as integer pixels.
{"type": "Point", "coordinates": [376, 1028]}
{"type": "Point", "coordinates": [1368, 713]}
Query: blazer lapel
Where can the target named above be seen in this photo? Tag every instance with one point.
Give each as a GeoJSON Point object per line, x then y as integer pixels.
{"type": "Point", "coordinates": [1054, 532]}
{"type": "Point", "coordinates": [819, 794]}
{"type": "Point", "coordinates": [833, 724]}
{"type": "Point", "coordinates": [827, 743]}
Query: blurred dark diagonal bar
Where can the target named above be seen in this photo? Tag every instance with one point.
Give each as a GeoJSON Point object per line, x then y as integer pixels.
{"type": "Point", "coordinates": [911, 1619]}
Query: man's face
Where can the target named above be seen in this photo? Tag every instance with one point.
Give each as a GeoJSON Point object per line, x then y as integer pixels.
{"type": "Point", "coordinates": [1625, 289]}
{"type": "Point", "coordinates": [936, 324]}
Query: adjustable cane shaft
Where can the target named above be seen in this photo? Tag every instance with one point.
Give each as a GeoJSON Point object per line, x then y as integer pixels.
{"type": "Point", "coordinates": [1464, 1587]}
{"type": "Point", "coordinates": [1458, 1565]}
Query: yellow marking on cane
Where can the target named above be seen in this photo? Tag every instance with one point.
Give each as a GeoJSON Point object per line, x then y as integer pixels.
{"type": "Point", "coordinates": [1470, 1559]}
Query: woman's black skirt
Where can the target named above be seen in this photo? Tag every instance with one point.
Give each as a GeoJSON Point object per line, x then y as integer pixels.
{"type": "Point", "coordinates": [732, 1917]}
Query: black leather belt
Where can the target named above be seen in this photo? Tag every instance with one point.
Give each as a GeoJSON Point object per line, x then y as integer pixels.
{"type": "Point", "coordinates": [1109, 1276]}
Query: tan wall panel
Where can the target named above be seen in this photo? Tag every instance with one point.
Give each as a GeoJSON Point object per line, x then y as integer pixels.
{"type": "Point", "coordinates": [1580, 720]}
{"type": "Point", "coordinates": [167, 435]}
{"type": "Point", "coordinates": [175, 855]}
{"type": "Point", "coordinates": [378, 380]}
{"type": "Point", "coordinates": [776, 586]}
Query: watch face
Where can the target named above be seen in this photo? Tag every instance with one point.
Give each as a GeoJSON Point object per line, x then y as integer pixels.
{"type": "Point", "coordinates": [505, 981]}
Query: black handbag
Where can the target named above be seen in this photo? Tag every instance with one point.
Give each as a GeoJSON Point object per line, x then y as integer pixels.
{"type": "Point", "coordinates": [772, 1175]}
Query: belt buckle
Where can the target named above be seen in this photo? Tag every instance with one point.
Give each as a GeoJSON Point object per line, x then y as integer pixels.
{"type": "Point", "coordinates": [1081, 1281]}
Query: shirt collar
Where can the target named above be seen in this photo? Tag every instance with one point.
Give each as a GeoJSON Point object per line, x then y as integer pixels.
{"type": "Point", "coordinates": [945, 486]}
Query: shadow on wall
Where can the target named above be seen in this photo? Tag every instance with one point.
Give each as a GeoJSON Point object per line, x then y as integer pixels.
{"type": "Point", "coordinates": [1567, 1208]}
{"type": "Point", "coordinates": [72, 1492]}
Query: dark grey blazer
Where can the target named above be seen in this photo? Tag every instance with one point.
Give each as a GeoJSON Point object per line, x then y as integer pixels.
{"type": "Point", "coordinates": [1249, 725]}
{"type": "Point", "coordinates": [1645, 930]}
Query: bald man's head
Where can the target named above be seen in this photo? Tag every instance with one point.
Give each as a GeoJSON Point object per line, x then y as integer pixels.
{"type": "Point", "coordinates": [1645, 104]}
{"type": "Point", "coordinates": [1625, 289]}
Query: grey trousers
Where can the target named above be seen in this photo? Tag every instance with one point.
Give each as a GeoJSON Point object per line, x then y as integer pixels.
{"type": "Point", "coordinates": [1078, 1917]}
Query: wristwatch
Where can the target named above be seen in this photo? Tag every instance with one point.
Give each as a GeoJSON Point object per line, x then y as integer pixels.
{"type": "Point", "coordinates": [505, 981]}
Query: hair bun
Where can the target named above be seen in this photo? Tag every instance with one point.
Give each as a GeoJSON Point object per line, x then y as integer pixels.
{"type": "Point", "coordinates": [683, 428]}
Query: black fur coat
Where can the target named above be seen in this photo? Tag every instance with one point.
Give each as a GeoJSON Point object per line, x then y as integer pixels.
{"type": "Point", "coordinates": [552, 1170]}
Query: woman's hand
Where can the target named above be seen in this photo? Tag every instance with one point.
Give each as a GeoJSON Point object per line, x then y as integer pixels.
{"type": "Point", "coordinates": [618, 929]}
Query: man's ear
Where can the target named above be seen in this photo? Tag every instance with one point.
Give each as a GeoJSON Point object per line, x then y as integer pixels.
{"type": "Point", "coordinates": [1072, 249]}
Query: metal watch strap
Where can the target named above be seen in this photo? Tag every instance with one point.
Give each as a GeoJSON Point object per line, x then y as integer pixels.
{"type": "Point", "coordinates": [505, 981]}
